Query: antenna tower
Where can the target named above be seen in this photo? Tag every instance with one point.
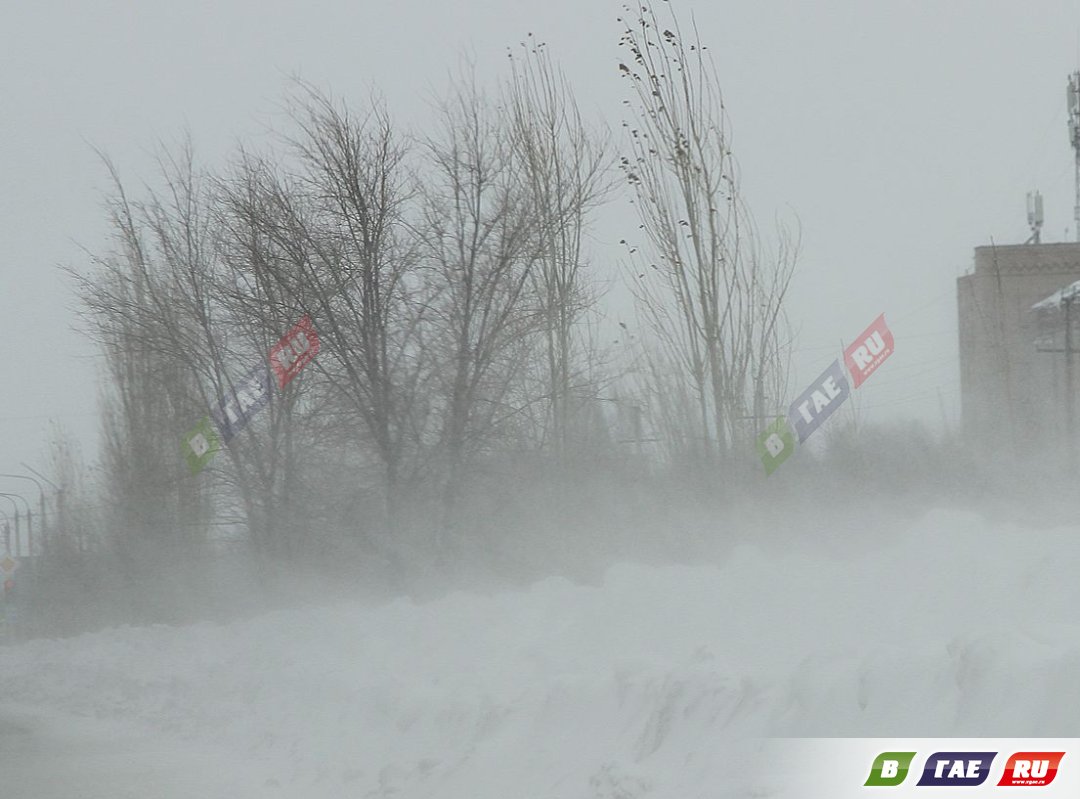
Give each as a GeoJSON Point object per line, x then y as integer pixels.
{"type": "Point", "coordinates": [1034, 216]}
{"type": "Point", "coordinates": [1074, 140]}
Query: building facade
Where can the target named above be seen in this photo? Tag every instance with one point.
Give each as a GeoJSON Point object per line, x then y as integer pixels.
{"type": "Point", "coordinates": [1013, 394]}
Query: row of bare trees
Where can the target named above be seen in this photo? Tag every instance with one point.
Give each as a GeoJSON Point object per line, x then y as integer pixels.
{"type": "Point", "coordinates": [449, 280]}
{"type": "Point", "coordinates": [438, 271]}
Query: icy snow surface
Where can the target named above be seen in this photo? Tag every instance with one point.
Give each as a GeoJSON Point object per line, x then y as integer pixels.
{"type": "Point", "coordinates": [651, 684]}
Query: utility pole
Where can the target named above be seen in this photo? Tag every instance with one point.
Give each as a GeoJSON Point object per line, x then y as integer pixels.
{"type": "Point", "coordinates": [1070, 402]}
{"type": "Point", "coordinates": [1073, 101]}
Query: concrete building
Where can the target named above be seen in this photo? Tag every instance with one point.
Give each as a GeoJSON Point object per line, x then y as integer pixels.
{"type": "Point", "coordinates": [1012, 395]}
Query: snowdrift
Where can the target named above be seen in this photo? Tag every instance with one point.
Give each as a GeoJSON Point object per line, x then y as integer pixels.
{"type": "Point", "coordinates": [647, 685]}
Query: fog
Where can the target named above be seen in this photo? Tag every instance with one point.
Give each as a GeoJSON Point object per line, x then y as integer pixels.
{"type": "Point", "coordinates": [500, 400]}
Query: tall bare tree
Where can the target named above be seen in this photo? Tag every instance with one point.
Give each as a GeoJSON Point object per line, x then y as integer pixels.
{"type": "Point", "coordinates": [166, 308]}
{"type": "Point", "coordinates": [330, 237]}
{"type": "Point", "coordinates": [709, 293]}
{"type": "Point", "coordinates": [563, 166]}
{"type": "Point", "coordinates": [481, 247]}
{"type": "Point", "coordinates": [135, 308]}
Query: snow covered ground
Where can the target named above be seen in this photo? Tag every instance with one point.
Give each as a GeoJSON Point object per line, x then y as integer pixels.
{"type": "Point", "coordinates": [651, 684]}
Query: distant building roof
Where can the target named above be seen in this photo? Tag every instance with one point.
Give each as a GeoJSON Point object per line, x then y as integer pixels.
{"type": "Point", "coordinates": [1061, 257]}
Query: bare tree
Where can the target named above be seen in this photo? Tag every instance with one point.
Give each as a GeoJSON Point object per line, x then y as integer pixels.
{"type": "Point", "coordinates": [481, 246]}
{"type": "Point", "coordinates": [330, 238]}
{"type": "Point", "coordinates": [257, 311]}
{"type": "Point", "coordinates": [73, 527]}
{"type": "Point", "coordinates": [563, 166]}
{"type": "Point", "coordinates": [708, 293]}
{"type": "Point", "coordinates": [136, 310]}
{"type": "Point", "coordinates": [165, 308]}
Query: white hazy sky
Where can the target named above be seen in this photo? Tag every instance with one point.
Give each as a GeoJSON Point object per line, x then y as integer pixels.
{"type": "Point", "coordinates": [901, 134]}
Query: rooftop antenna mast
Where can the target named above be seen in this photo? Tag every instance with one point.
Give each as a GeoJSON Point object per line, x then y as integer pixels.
{"type": "Point", "coordinates": [1074, 140]}
{"type": "Point", "coordinates": [1035, 214]}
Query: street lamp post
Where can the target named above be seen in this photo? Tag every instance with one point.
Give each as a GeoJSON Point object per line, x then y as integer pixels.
{"type": "Point", "coordinates": [58, 514]}
{"type": "Point", "coordinates": [41, 498]}
{"type": "Point", "coordinates": [29, 522]}
{"type": "Point", "coordinates": [7, 532]}
{"type": "Point", "coordinates": [15, 505]}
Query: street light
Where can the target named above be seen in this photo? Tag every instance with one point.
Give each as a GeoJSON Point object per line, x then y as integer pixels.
{"type": "Point", "coordinates": [29, 522]}
{"type": "Point", "coordinates": [30, 468]}
{"type": "Point", "coordinates": [15, 505]}
{"type": "Point", "coordinates": [41, 492]}
{"type": "Point", "coordinates": [7, 530]}
{"type": "Point", "coordinates": [59, 498]}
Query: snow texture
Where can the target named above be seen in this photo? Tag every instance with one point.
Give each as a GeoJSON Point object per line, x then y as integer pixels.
{"type": "Point", "coordinates": [652, 684]}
